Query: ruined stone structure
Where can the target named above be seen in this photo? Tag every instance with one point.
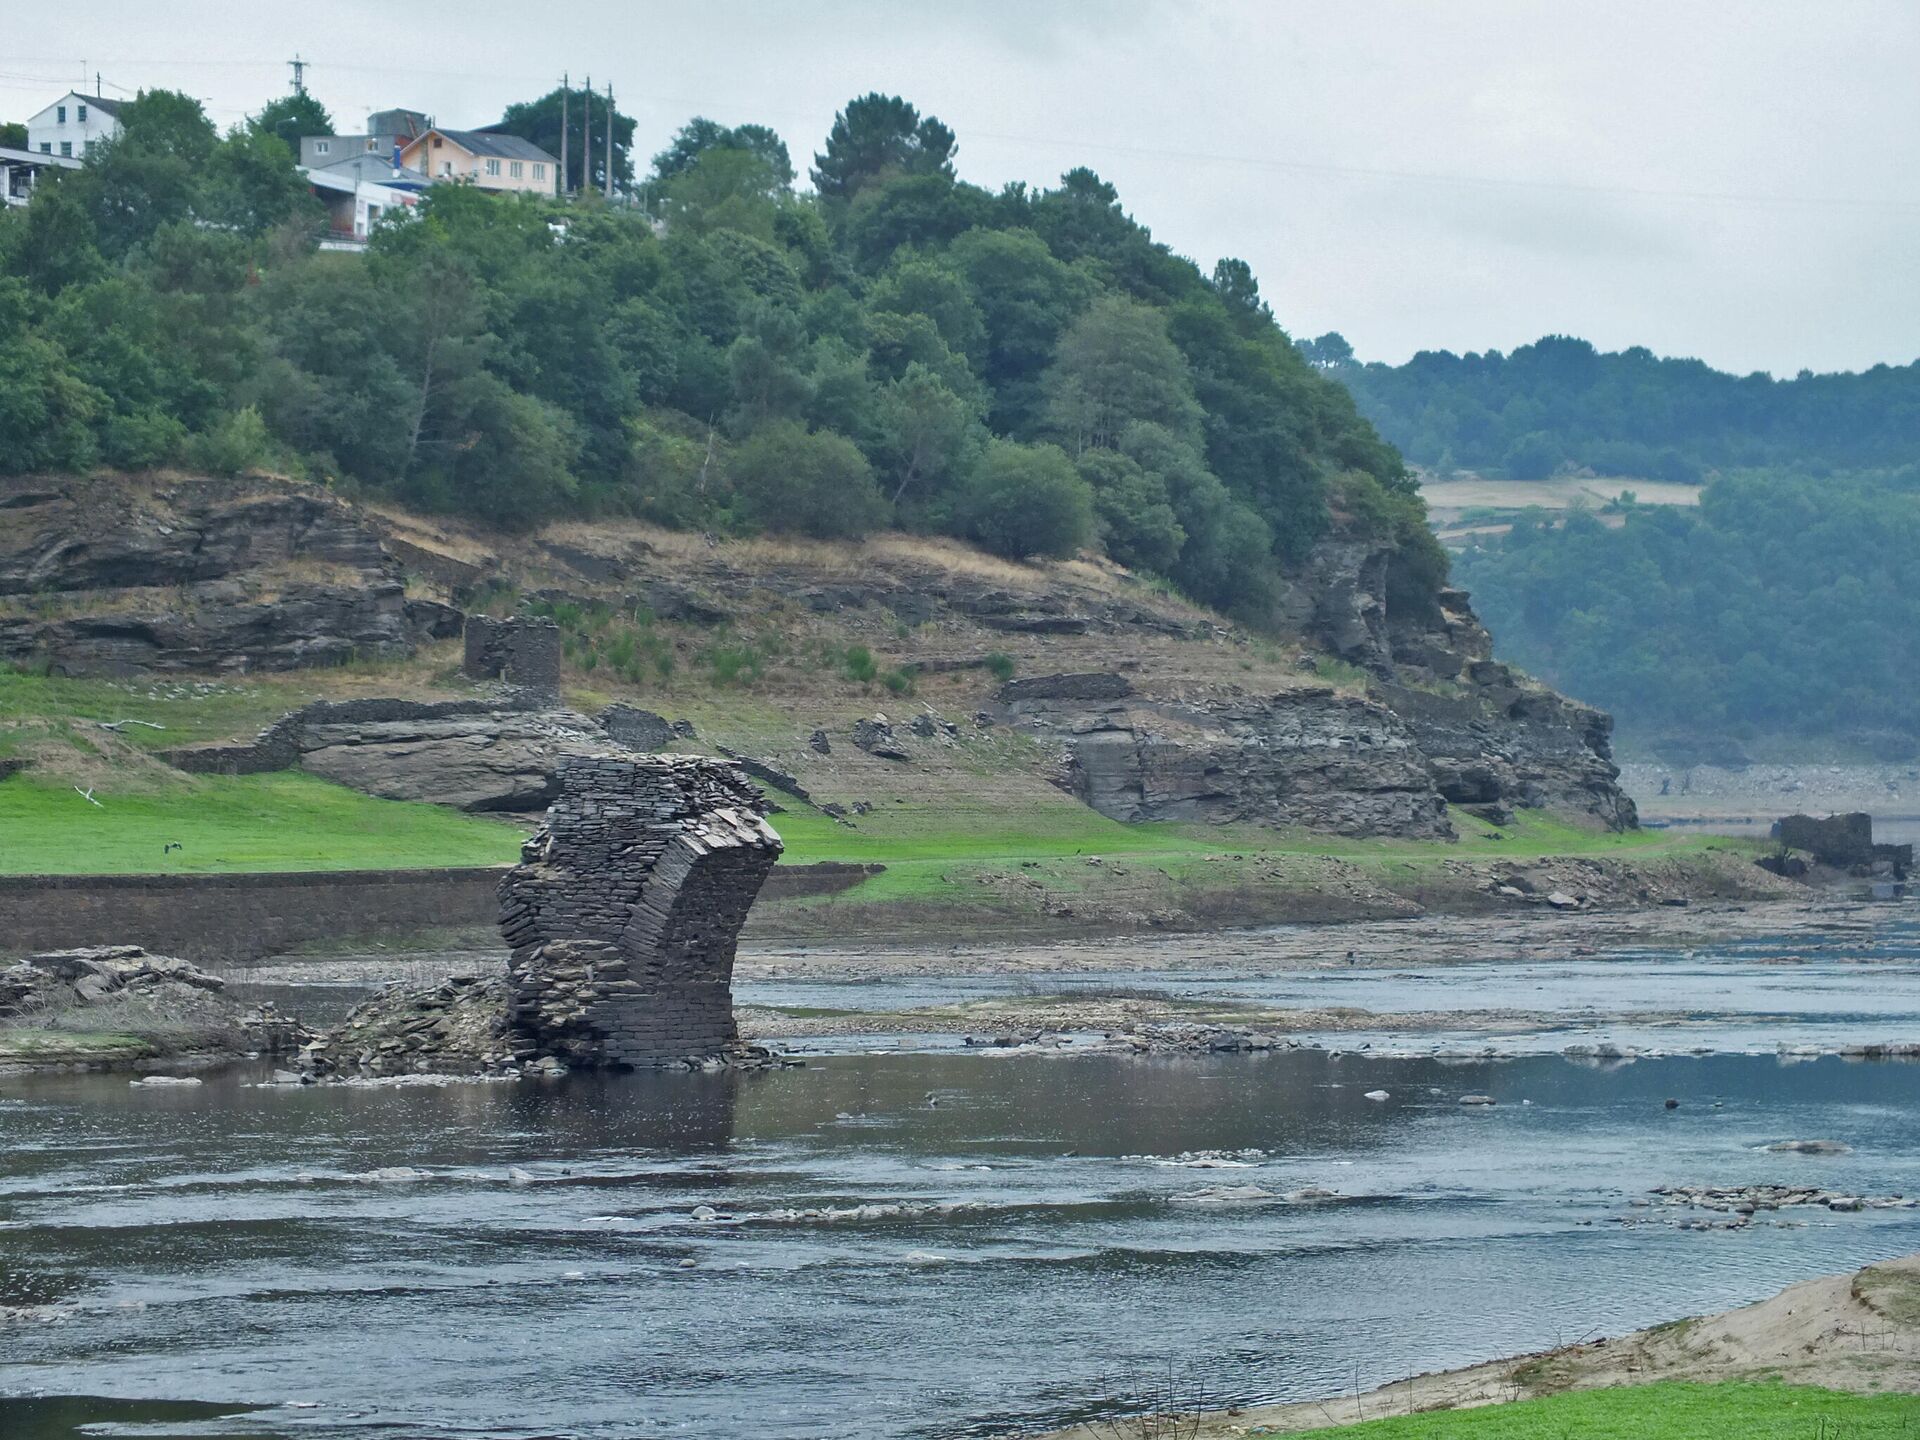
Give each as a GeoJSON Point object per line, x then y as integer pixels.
{"type": "Point", "coordinates": [1844, 842]}
{"type": "Point", "coordinates": [626, 908]}
{"type": "Point", "coordinates": [520, 650]}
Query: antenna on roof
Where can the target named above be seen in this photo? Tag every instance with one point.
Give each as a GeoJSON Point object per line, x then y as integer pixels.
{"type": "Point", "coordinates": [299, 74]}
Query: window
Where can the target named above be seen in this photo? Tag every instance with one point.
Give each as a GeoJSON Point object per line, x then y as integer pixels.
{"type": "Point", "coordinates": [81, 114]}
{"type": "Point", "coordinates": [515, 169]}
{"type": "Point", "coordinates": [46, 147]}
{"type": "Point", "coordinates": [539, 171]}
{"type": "Point", "coordinates": [493, 167]}
{"type": "Point", "coordinates": [321, 147]}
{"type": "Point", "coordinates": [66, 147]}
{"type": "Point", "coordinates": [60, 114]}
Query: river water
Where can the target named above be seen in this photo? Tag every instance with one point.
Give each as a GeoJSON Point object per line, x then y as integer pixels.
{"type": "Point", "coordinates": [921, 1242]}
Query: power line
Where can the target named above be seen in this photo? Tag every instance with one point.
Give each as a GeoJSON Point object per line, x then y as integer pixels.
{"type": "Point", "coordinates": [1054, 142]}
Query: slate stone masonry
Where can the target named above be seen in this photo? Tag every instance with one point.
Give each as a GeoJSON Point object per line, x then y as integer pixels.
{"type": "Point", "coordinates": [625, 911]}
{"type": "Point", "coordinates": [520, 650]}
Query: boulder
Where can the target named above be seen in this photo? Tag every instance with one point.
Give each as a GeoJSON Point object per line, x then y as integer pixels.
{"type": "Point", "coordinates": [635, 728]}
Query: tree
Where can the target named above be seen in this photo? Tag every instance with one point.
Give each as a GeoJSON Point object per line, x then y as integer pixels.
{"type": "Point", "coordinates": [289, 118]}
{"type": "Point", "coordinates": [1136, 518]}
{"type": "Point", "coordinates": [1233, 282]}
{"type": "Point", "coordinates": [723, 188]}
{"type": "Point", "coordinates": [924, 430]}
{"type": "Point", "coordinates": [13, 134]}
{"type": "Point", "coordinates": [767, 364]}
{"type": "Point", "coordinates": [252, 184]}
{"type": "Point", "coordinates": [1327, 352]}
{"type": "Point", "coordinates": [700, 135]}
{"type": "Point", "coordinates": [807, 482]}
{"type": "Point", "coordinates": [876, 137]}
{"type": "Point", "coordinates": [1532, 456]}
{"type": "Point", "coordinates": [1026, 298]}
{"type": "Point", "coordinates": [152, 173]}
{"type": "Point", "coordinates": [586, 118]}
{"type": "Point", "coordinates": [916, 285]}
{"type": "Point", "coordinates": [1026, 500]}
{"type": "Point", "coordinates": [923, 211]}
{"type": "Point", "coordinates": [1115, 365]}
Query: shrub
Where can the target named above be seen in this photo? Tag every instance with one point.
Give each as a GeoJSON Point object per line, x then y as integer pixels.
{"type": "Point", "coordinates": [807, 482]}
{"type": "Point", "coordinates": [1000, 665]}
{"type": "Point", "coordinates": [858, 663]}
{"type": "Point", "coordinates": [240, 442]}
{"type": "Point", "coordinates": [1024, 500]}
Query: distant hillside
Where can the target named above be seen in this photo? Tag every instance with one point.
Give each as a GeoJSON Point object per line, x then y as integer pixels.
{"type": "Point", "coordinates": [1561, 403]}
{"type": "Point", "coordinates": [1781, 607]}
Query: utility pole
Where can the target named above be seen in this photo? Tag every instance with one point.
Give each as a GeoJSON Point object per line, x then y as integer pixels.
{"type": "Point", "coordinates": [586, 139]}
{"type": "Point", "coordinates": [299, 74]}
{"type": "Point", "coordinates": [609, 140]}
{"type": "Point", "coordinates": [566, 84]}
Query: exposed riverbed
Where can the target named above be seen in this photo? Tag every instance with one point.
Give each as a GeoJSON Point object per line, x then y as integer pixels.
{"type": "Point", "coordinates": [873, 1244]}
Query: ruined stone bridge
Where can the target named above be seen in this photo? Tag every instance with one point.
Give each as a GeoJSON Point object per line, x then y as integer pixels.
{"type": "Point", "coordinates": [625, 911]}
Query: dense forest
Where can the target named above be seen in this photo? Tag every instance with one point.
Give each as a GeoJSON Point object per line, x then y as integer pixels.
{"type": "Point", "coordinates": [1781, 607]}
{"type": "Point", "coordinates": [1025, 368]}
{"type": "Point", "coordinates": [1561, 403]}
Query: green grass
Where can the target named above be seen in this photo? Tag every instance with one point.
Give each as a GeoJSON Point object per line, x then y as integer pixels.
{"type": "Point", "coordinates": [32, 1045]}
{"type": "Point", "coordinates": [1669, 1411]}
{"type": "Point", "coordinates": [893, 833]}
{"type": "Point", "coordinates": [939, 854]}
{"type": "Point", "coordinates": [286, 821]}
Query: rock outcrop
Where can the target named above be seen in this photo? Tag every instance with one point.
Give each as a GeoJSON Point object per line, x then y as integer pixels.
{"type": "Point", "coordinates": [114, 578]}
{"type": "Point", "coordinates": [1308, 758]}
{"type": "Point", "coordinates": [499, 753]}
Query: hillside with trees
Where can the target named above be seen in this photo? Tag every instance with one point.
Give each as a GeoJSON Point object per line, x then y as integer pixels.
{"type": "Point", "coordinates": [1782, 607]}
{"type": "Point", "coordinates": [1026, 369]}
{"type": "Point", "coordinates": [1560, 403]}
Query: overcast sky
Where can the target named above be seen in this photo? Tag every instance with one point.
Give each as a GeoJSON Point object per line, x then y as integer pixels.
{"type": "Point", "coordinates": [1738, 181]}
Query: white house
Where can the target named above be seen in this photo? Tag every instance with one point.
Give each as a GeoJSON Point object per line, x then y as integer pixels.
{"type": "Point", "coordinates": [72, 123]}
{"type": "Point", "coordinates": [20, 169]}
{"type": "Point", "coordinates": [354, 205]}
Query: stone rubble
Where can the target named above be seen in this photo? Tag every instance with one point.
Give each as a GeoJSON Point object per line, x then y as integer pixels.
{"type": "Point", "coordinates": [144, 994]}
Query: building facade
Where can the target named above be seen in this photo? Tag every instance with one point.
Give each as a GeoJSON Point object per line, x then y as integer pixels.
{"type": "Point", "coordinates": [72, 123]}
{"type": "Point", "coordinates": [386, 132]}
{"type": "Point", "coordinates": [484, 158]}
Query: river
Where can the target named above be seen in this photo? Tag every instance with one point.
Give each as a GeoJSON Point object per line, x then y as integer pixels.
{"type": "Point", "coordinates": [922, 1241]}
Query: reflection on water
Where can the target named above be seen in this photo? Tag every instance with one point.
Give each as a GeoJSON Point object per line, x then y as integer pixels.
{"type": "Point", "coordinates": [892, 1244]}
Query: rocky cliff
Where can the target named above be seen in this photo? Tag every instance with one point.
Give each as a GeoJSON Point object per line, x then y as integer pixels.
{"type": "Point", "coordinates": [1370, 719]}
{"type": "Point", "coordinates": [119, 577]}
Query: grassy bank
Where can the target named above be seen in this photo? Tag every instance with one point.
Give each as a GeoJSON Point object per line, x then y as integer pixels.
{"type": "Point", "coordinates": [286, 821]}
{"type": "Point", "coordinates": [1661, 1412]}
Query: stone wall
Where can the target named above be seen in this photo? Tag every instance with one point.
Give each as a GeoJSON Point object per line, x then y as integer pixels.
{"type": "Point", "coordinates": [236, 917]}
{"type": "Point", "coordinates": [625, 911]}
{"type": "Point", "coordinates": [205, 918]}
{"type": "Point", "coordinates": [520, 650]}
